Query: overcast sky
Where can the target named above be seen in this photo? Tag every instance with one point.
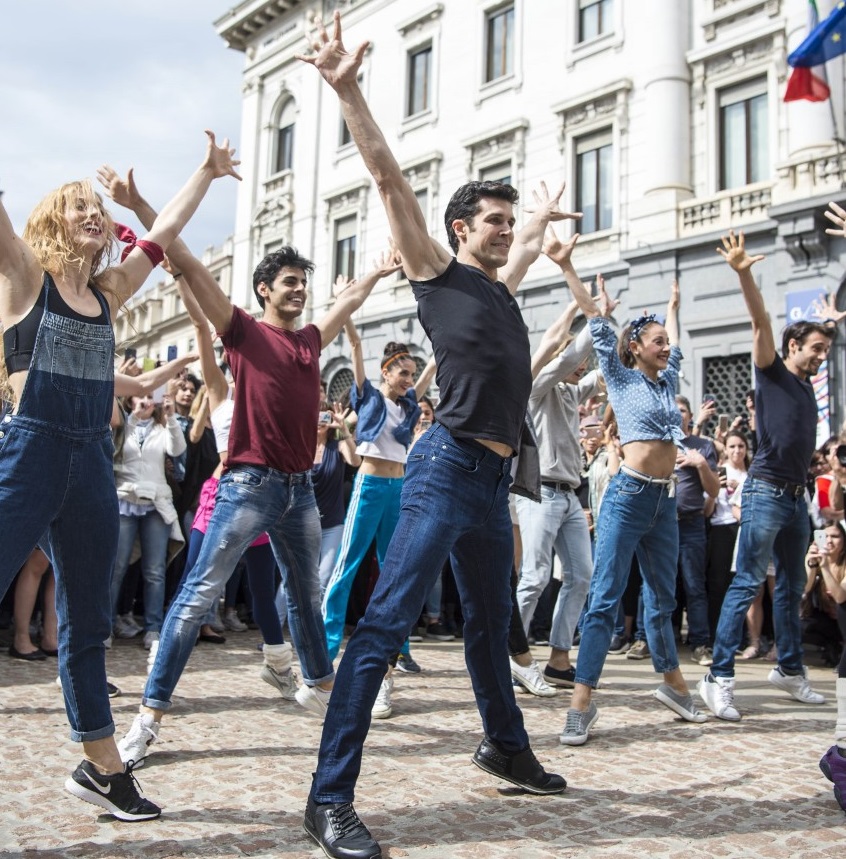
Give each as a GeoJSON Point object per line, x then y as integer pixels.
{"type": "Point", "coordinates": [129, 84]}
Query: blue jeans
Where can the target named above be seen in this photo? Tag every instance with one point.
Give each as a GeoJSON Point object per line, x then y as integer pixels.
{"type": "Point", "coordinates": [635, 517]}
{"type": "Point", "coordinates": [330, 540]}
{"type": "Point", "coordinates": [772, 524]}
{"type": "Point", "coordinates": [250, 500]}
{"type": "Point", "coordinates": [693, 549]}
{"type": "Point", "coordinates": [454, 501]}
{"type": "Point", "coordinates": [153, 533]}
{"type": "Point", "coordinates": [557, 522]}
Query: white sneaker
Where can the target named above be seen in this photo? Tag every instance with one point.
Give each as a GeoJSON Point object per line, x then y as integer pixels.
{"type": "Point", "coordinates": [313, 699]}
{"type": "Point", "coordinates": [149, 638]}
{"type": "Point", "coordinates": [718, 695]}
{"type": "Point", "coordinates": [125, 627]}
{"type": "Point", "coordinates": [796, 685]}
{"type": "Point", "coordinates": [143, 733]}
{"type": "Point", "coordinates": [284, 681]}
{"type": "Point", "coordinates": [232, 622]}
{"type": "Point", "coordinates": [382, 708]}
{"type": "Point", "coordinates": [530, 677]}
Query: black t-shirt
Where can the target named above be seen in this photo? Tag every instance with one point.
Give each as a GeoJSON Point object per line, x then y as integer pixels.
{"type": "Point", "coordinates": [689, 497]}
{"type": "Point", "coordinates": [481, 346]}
{"type": "Point", "coordinates": [327, 478]}
{"type": "Point", "coordinates": [786, 425]}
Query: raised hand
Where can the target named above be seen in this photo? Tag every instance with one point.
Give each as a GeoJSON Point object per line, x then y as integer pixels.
{"type": "Point", "coordinates": [557, 250]}
{"type": "Point", "coordinates": [387, 262]}
{"type": "Point", "coordinates": [220, 158]}
{"type": "Point", "coordinates": [341, 284]}
{"type": "Point", "coordinates": [607, 305]}
{"type": "Point", "coordinates": [837, 216]}
{"type": "Point", "coordinates": [331, 59]}
{"type": "Point", "coordinates": [826, 309]}
{"type": "Point", "coordinates": [546, 205]}
{"type": "Point", "coordinates": [124, 192]}
{"type": "Point", "coordinates": [675, 295]}
{"type": "Point", "coordinates": [734, 253]}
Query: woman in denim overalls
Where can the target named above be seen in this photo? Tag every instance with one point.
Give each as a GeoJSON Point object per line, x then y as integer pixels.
{"type": "Point", "coordinates": [56, 483]}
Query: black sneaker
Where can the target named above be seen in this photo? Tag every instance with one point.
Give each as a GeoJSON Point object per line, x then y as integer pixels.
{"type": "Point", "coordinates": [113, 690]}
{"type": "Point", "coordinates": [119, 794]}
{"type": "Point", "coordinates": [337, 829]}
{"type": "Point", "coordinates": [520, 768]}
{"type": "Point", "coordinates": [407, 664]}
{"type": "Point", "coordinates": [565, 677]}
{"type": "Point", "coordinates": [439, 632]}
{"type": "Point", "coordinates": [619, 644]}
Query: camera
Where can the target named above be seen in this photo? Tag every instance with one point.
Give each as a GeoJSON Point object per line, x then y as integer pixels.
{"type": "Point", "coordinates": [840, 453]}
{"type": "Point", "coordinates": [325, 417]}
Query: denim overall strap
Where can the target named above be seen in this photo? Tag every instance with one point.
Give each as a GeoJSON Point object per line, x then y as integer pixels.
{"type": "Point", "coordinates": [70, 384]}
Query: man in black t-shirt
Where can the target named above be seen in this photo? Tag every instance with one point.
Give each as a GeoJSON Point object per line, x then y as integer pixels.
{"type": "Point", "coordinates": [774, 514]}
{"type": "Point", "coordinates": [455, 495]}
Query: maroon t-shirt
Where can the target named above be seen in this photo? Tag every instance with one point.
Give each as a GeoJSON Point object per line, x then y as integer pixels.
{"type": "Point", "coordinates": [277, 393]}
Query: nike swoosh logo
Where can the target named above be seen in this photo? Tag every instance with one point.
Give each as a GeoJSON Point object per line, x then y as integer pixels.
{"type": "Point", "coordinates": [97, 784]}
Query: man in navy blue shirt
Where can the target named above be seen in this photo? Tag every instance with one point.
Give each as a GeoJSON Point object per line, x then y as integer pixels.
{"type": "Point", "coordinates": [774, 515]}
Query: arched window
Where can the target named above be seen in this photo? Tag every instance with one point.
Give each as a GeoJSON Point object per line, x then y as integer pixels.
{"type": "Point", "coordinates": [340, 384]}
{"type": "Point", "coordinates": [284, 154]}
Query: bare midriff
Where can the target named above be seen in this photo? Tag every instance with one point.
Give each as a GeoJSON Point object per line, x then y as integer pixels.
{"type": "Point", "coordinates": [497, 447]}
{"type": "Point", "coordinates": [655, 458]}
{"type": "Point", "coordinates": [376, 467]}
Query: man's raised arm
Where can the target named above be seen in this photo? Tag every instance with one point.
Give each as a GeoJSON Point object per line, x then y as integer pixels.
{"type": "Point", "coordinates": [734, 253]}
{"type": "Point", "coordinates": [423, 258]}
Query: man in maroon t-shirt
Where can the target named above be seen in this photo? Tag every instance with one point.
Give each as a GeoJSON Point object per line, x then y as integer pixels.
{"type": "Point", "coordinates": [267, 484]}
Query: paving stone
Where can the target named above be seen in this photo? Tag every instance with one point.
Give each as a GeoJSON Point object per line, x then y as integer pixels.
{"type": "Point", "coordinates": [232, 769]}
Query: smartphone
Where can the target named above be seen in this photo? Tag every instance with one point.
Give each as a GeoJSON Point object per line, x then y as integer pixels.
{"type": "Point", "coordinates": [820, 540]}
{"type": "Point", "coordinates": [425, 424]}
{"type": "Point", "coordinates": [130, 353]}
{"type": "Point", "coordinates": [708, 398]}
{"type": "Point", "coordinates": [723, 423]}
{"type": "Point", "coordinates": [325, 418]}
{"type": "Point", "coordinates": [721, 472]}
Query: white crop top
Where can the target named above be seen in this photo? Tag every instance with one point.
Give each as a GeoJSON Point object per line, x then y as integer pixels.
{"type": "Point", "coordinates": [221, 421]}
{"type": "Point", "coordinates": [386, 446]}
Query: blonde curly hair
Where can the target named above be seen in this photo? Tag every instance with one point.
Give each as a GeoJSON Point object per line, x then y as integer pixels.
{"type": "Point", "coordinates": [46, 234]}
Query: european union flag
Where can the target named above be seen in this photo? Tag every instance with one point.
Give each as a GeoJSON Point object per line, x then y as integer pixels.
{"type": "Point", "coordinates": [826, 41]}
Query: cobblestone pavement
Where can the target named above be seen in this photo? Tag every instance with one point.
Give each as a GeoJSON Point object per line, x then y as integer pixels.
{"type": "Point", "coordinates": [232, 769]}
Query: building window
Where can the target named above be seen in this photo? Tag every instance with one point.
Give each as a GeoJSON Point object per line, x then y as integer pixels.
{"type": "Point", "coordinates": [594, 18]}
{"type": "Point", "coordinates": [594, 181]}
{"type": "Point", "coordinates": [727, 379]}
{"type": "Point", "coordinates": [419, 81]}
{"type": "Point", "coordinates": [499, 48]}
{"type": "Point", "coordinates": [422, 196]}
{"type": "Point", "coordinates": [744, 138]}
{"type": "Point", "coordinates": [284, 157]}
{"type": "Point", "coordinates": [340, 384]}
{"type": "Point", "coordinates": [345, 241]}
{"type": "Point", "coordinates": [496, 173]}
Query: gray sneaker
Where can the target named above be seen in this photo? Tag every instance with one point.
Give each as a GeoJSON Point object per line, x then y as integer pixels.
{"type": "Point", "coordinates": [285, 682]}
{"type": "Point", "coordinates": [578, 725]}
{"type": "Point", "coordinates": [639, 650]}
{"type": "Point", "coordinates": [681, 704]}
